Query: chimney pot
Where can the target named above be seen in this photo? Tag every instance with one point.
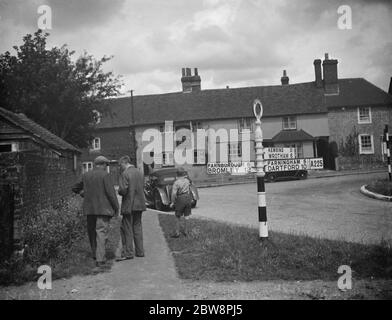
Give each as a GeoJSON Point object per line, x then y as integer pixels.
{"type": "Point", "coordinates": [285, 78]}
{"type": "Point", "coordinates": [330, 75]}
{"type": "Point", "coordinates": [190, 82]}
{"type": "Point", "coordinates": [317, 72]}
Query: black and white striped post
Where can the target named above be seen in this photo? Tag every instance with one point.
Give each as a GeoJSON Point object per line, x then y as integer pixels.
{"type": "Point", "coordinates": [388, 150]}
{"type": "Point", "coordinates": [260, 174]}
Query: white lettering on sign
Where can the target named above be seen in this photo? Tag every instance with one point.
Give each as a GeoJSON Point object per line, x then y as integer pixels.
{"type": "Point", "coordinates": [278, 165]}
{"type": "Point", "coordinates": [294, 164]}
{"type": "Point", "coordinates": [234, 168]}
{"type": "Point", "coordinates": [279, 153]}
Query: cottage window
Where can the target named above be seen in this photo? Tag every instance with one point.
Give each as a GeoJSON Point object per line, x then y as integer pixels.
{"type": "Point", "coordinates": [96, 144]}
{"type": "Point", "coordinates": [364, 115]}
{"type": "Point", "coordinates": [366, 145]}
{"type": "Point", "coordinates": [298, 147]}
{"type": "Point", "coordinates": [245, 124]}
{"type": "Point", "coordinates": [195, 125]}
{"type": "Point", "coordinates": [167, 159]}
{"type": "Point", "coordinates": [199, 157]}
{"type": "Point", "coordinates": [289, 123]}
{"type": "Point", "coordinates": [235, 151]}
{"type": "Point", "coordinates": [9, 147]}
{"type": "Point", "coordinates": [87, 166]}
{"type": "Point", "coordinates": [97, 116]}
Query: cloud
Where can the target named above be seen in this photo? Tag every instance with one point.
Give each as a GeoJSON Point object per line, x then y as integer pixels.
{"type": "Point", "coordinates": [67, 15]}
{"type": "Point", "coordinates": [232, 42]}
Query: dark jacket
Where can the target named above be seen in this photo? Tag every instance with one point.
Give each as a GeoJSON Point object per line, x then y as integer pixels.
{"type": "Point", "coordinates": [131, 188]}
{"type": "Point", "coordinates": [99, 195]}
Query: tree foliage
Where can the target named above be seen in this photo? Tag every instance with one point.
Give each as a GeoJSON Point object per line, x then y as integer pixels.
{"type": "Point", "coordinates": [59, 93]}
{"type": "Point", "coordinates": [350, 147]}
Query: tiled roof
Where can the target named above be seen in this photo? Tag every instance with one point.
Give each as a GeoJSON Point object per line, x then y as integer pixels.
{"type": "Point", "coordinates": [278, 100]}
{"type": "Point", "coordinates": [358, 92]}
{"type": "Point", "coordinates": [20, 120]}
{"type": "Point", "coordinates": [292, 136]}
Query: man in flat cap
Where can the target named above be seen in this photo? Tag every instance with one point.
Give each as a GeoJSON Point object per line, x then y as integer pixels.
{"type": "Point", "coordinates": [131, 188]}
{"type": "Point", "coordinates": [100, 204]}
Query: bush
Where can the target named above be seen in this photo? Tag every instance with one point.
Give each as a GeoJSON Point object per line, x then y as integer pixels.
{"type": "Point", "coordinates": [51, 233]}
{"type": "Point", "coordinates": [51, 236]}
{"type": "Point", "coordinates": [383, 187]}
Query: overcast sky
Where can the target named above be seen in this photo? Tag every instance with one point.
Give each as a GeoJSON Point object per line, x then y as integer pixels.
{"type": "Point", "coordinates": [232, 42]}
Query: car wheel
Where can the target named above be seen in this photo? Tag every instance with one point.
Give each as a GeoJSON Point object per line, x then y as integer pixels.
{"type": "Point", "coordinates": [271, 177]}
{"type": "Point", "coordinates": [158, 205]}
{"type": "Point", "coordinates": [303, 175]}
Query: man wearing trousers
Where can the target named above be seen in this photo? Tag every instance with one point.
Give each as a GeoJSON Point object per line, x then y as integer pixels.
{"type": "Point", "coordinates": [100, 204]}
{"type": "Point", "coordinates": [132, 206]}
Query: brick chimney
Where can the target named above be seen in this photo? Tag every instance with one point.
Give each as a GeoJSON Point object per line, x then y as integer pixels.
{"type": "Point", "coordinates": [317, 71]}
{"type": "Point", "coordinates": [190, 82]}
{"type": "Point", "coordinates": [330, 75]}
{"type": "Point", "coordinates": [285, 78]}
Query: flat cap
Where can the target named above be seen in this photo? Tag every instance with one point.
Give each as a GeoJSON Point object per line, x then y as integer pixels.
{"type": "Point", "coordinates": [181, 172]}
{"type": "Point", "coordinates": [101, 160]}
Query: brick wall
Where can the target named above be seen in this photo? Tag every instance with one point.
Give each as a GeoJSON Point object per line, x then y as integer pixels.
{"type": "Point", "coordinates": [38, 181]}
{"type": "Point", "coordinates": [343, 122]}
{"type": "Point", "coordinates": [115, 143]}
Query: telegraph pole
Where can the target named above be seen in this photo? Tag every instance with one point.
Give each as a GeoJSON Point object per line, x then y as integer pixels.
{"type": "Point", "coordinates": [260, 174]}
{"type": "Point", "coordinates": [133, 133]}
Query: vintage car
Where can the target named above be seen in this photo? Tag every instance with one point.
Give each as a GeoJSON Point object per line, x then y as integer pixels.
{"type": "Point", "coordinates": [158, 187]}
{"type": "Point", "coordinates": [286, 175]}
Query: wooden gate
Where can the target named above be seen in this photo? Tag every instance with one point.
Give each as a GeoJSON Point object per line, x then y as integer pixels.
{"type": "Point", "coordinates": [6, 221]}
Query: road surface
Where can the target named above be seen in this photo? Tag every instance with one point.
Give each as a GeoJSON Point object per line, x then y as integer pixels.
{"type": "Point", "coordinates": [330, 208]}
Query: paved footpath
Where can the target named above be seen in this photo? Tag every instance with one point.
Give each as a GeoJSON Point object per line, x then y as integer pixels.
{"type": "Point", "coordinates": [152, 277]}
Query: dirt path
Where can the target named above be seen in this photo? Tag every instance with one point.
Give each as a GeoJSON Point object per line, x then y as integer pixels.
{"type": "Point", "coordinates": [289, 290]}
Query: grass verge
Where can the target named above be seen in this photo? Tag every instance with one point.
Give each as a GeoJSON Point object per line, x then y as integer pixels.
{"type": "Point", "coordinates": [216, 251]}
{"type": "Point", "coordinates": [383, 186]}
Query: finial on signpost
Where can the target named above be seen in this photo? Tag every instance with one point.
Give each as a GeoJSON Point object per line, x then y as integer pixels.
{"type": "Point", "coordinates": [260, 173]}
{"type": "Point", "coordinates": [258, 110]}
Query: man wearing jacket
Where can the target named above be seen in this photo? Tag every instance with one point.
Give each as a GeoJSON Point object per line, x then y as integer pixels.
{"type": "Point", "coordinates": [100, 204]}
{"type": "Point", "coordinates": [131, 188]}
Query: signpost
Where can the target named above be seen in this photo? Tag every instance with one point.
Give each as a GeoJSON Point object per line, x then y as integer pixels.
{"type": "Point", "coordinates": [388, 150]}
{"type": "Point", "coordinates": [279, 153]}
{"type": "Point", "coordinates": [260, 174]}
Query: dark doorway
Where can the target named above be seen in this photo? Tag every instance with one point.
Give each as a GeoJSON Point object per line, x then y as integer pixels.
{"type": "Point", "coordinates": [324, 150]}
{"type": "Point", "coordinates": [6, 221]}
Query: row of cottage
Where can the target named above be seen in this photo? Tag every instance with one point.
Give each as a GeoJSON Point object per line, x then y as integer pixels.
{"type": "Point", "coordinates": [340, 120]}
